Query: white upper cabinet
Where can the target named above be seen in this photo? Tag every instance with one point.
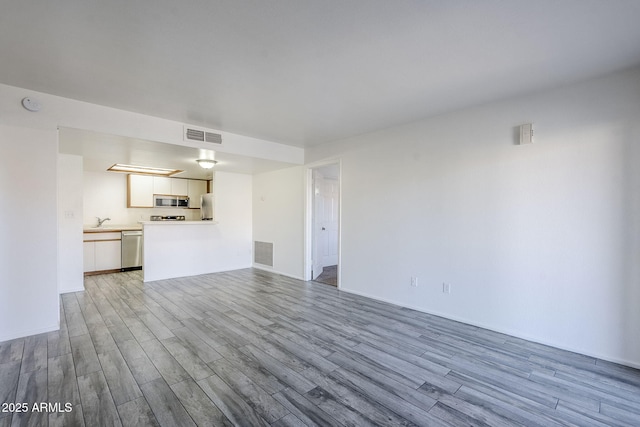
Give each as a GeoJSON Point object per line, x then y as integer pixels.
{"type": "Point", "coordinates": [140, 191]}
{"type": "Point", "coordinates": [161, 185]}
{"type": "Point", "coordinates": [196, 189]}
{"type": "Point", "coordinates": [141, 188]}
{"type": "Point", "coordinates": [170, 186]}
{"type": "Point", "coordinates": [179, 187]}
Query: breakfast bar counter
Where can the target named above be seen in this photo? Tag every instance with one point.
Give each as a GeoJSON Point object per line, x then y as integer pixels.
{"type": "Point", "coordinates": [177, 222]}
{"type": "Point", "coordinates": [183, 248]}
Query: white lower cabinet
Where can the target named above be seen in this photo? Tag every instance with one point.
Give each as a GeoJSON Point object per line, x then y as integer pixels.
{"type": "Point", "coordinates": [89, 260]}
{"type": "Point", "coordinates": [108, 255]}
{"type": "Point", "coordinates": [102, 251]}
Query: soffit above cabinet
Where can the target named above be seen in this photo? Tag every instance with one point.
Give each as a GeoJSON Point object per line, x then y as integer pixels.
{"type": "Point", "coordinates": [100, 151]}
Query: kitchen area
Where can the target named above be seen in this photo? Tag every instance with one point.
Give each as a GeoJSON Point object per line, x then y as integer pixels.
{"type": "Point", "coordinates": [112, 221]}
{"type": "Point", "coordinates": [114, 241]}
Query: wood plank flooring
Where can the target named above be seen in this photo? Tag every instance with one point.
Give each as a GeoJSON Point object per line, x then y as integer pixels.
{"type": "Point", "coordinates": [250, 348]}
{"type": "Point", "coordinates": [329, 275]}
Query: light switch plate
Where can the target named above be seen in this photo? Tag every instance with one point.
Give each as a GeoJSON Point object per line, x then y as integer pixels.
{"type": "Point", "coordinates": [526, 133]}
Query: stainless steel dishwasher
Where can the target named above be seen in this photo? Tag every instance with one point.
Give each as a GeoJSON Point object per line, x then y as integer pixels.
{"type": "Point", "coordinates": [132, 250]}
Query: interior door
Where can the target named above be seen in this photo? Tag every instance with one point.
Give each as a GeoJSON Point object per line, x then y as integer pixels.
{"type": "Point", "coordinates": [316, 256]}
{"type": "Point", "coordinates": [330, 197]}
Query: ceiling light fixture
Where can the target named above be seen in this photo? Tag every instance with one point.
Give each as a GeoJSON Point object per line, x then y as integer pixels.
{"type": "Point", "coordinates": [206, 163]}
{"type": "Point", "coordinates": [144, 170]}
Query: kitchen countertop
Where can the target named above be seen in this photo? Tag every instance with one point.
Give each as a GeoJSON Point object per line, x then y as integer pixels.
{"type": "Point", "coordinates": [112, 228]}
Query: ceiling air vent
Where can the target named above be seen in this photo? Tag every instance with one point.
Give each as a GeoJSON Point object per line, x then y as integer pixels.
{"type": "Point", "coordinates": [195, 134]}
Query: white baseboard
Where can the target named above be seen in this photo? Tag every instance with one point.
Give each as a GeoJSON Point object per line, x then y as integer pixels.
{"type": "Point", "coordinates": [66, 291]}
{"type": "Point", "coordinates": [26, 333]}
{"type": "Point", "coordinates": [512, 333]}
{"type": "Point", "coordinates": [146, 279]}
{"type": "Point", "coordinates": [271, 270]}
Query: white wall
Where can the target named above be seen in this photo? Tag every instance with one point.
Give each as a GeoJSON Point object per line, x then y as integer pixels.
{"type": "Point", "coordinates": [28, 232]}
{"type": "Point", "coordinates": [105, 196]}
{"type": "Point", "coordinates": [70, 276]}
{"type": "Point", "coordinates": [233, 207]}
{"type": "Point", "coordinates": [190, 249]}
{"type": "Point", "coordinates": [539, 241]}
{"type": "Point", "coordinates": [278, 218]}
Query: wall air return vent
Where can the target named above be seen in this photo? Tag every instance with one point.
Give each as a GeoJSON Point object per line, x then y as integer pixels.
{"type": "Point", "coordinates": [263, 253]}
{"type": "Point", "coordinates": [192, 133]}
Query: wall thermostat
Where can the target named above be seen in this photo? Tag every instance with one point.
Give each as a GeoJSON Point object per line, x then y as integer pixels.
{"type": "Point", "coordinates": [31, 104]}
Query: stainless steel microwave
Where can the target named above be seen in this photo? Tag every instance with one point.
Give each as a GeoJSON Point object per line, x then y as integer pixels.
{"type": "Point", "coordinates": [165, 201]}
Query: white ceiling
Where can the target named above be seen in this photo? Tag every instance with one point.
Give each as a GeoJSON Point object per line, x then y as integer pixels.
{"type": "Point", "coordinates": [311, 71]}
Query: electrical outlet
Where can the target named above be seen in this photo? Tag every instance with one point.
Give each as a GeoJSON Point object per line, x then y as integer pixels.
{"type": "Point", "coordinates": [414, 282]}
{"type": "Point", "coordinates": [69, 214]}
{"type": "Point", "coordinates": [446, 288]}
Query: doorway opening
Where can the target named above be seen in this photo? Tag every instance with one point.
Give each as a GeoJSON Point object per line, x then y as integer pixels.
{"type": "Point", "coordinates": [323, 224]}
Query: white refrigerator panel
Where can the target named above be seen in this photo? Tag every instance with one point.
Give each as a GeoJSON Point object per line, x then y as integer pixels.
{"type": "Point", "coordinates": [206, 207]}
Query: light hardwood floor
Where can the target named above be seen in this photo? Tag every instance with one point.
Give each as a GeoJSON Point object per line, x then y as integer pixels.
{"type": "Point", "coordinates": [250, 348]}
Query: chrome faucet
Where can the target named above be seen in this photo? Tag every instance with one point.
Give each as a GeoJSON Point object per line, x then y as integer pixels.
{"type": "Point", "coordinates": [100, 221]}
